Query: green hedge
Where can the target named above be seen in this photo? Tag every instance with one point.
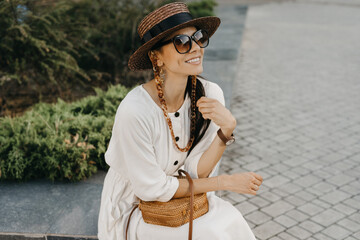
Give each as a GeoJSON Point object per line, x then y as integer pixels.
{"type": "Point", "coordinates": [59, 141]}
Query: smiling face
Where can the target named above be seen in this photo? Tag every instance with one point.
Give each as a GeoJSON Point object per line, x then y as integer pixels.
{"type": "Point", "coordinates": [175, 63]}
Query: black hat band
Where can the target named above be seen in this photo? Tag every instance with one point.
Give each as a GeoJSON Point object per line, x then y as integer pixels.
{"type": "Point", "coordinates": [166, 24]}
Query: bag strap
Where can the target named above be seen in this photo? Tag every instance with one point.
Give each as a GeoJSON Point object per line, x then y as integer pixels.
{"type": "Point", "coordinates": [191, 201]}
{"type": "Point", "coordinates": [127, 225]}
{"type": "Point", "coordinates": [191, 184]}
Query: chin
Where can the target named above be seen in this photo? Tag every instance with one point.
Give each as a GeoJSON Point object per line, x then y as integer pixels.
{"type": "Point", "coordinates": [196, 70]}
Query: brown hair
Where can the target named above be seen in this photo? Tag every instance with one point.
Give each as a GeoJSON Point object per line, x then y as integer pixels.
{"type": "Point", "coordinates": [201, 125]}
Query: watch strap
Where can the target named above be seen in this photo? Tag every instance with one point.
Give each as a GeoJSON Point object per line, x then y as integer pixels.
{"type": "Point", "coordinates": [223, 137]}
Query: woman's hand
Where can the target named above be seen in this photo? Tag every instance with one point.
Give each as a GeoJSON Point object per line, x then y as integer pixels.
{"type": "Point", "coordinates": [214, 110]}
{"type": "Point", "coordinates": [247, 183]}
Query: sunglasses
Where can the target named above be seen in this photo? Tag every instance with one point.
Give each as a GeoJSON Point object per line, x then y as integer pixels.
{"type": "Point", "coordinates": [183, 43]}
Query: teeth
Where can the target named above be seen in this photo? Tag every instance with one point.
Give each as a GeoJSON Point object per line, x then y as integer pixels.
{"type": "Point", "coordinates": [193, 60]}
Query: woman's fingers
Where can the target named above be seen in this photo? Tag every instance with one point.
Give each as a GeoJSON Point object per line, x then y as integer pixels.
{"type": "Point", "coordinates": [206, 109]}
{"type": "Point", "coordinates": [246, 183]}
{"type": "Point", "coordinates": [257, 176]}
{"type": "Point", "coordinates": [204, 101]}
{"type": "Point", "coordinates": [252, 192]}
{"type": "Point", "coordinates": [257, 182]}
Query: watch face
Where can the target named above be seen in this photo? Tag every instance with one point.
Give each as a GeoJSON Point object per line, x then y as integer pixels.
{"type": "Point", "coordinates": [230, 141]}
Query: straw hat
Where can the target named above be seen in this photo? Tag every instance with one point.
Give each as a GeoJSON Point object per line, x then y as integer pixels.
{"type": "Point", "coordinates": [161, 23]}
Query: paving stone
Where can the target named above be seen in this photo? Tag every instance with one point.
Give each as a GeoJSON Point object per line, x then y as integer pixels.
{"type": "Point", "coordinates": [350, 238]}
{"type": "Point", "coordinates": [314, 192]}
{"type": "Point", "coordinates": [335, 197]}
{"type": "Point", "coordinates": [340, 180]}
{"type": "Point", "coordinates": [355, 217]}
{"type": "Point", "coordinates": [279, 168]}
{"type": "Point", "coordinates": [352, 203]}
{"type": "Point", "coordinates": [311, 226]}
{"type": "Point", "coordinates": [327, 217]}
{"type": "Point", "coordinates": [336, 232]}
{"type": "Point", "coordinates": [268, 230]}
{"type": "Point", "coordinates": [287, 236]}
{"type": "Point", "coordinates": [290, 188]}
{"type": "Point", "coordinates": [296, 161]}
{"type": "Point", "coordinates": [321, 203]}
{"type": "Point", "coordinates": [308, 180]}
{"type": "Point", "coordinates": [297, 215]}
{"type": "Point", "coordinates": [351, 189]}
{"type": "Point", "coordinates": [285, 221]}
{"type": "Point", "coordinates": [275, 238]}
{"type": "Point", "coordinates": [305, 195]}
{"type": "Point", "coordinates": [301, 170]}
{"type": "Point", "coordinates": [350, 225]}
{"type": "Point", "coordinates": [258, 217]}
{"type": "Point", "coordinates": [310, 209]}
{"type": "Point", "coordinates": [255, 166]}
{"type": "Point", "coordinates": [324, 187]}
{"type": "Point", "coordinates": [313, 165]}
{"type": "Point", "coordinates": [236, 197]}
{"type": "Point", "coordinates": [320, 236]}
{"type": "Point", "coordinates": [356, 235]}
{"type": "Point", "coordinates": [323, 174]}
{"type": "Point", "coordinates": [299, 232]}
{"type": "Point", "coordinates": [333, 157]}
{"type": "Point", "coordinates": [251, 225]}
{"type": "Point", "coordinates": [344, 209]}
{"type": "Point", "coordinates": [294, 200]}
{"type": "Point", "coordinates": [290, 174]}
{"type": "Point", "coordinates": [245, 207]}
{"type": "Point", "coordinates": [277, 208]}
{"type": "Point", "coordinates": [280, 193]}
{"type": "Point", "coordinates": [259, 201]}
{"type": "Point", "coordinates": [270, 196]}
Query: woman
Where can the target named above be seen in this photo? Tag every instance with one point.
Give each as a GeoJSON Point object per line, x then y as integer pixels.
{"type": "Point", "coordinates": [176, 120]}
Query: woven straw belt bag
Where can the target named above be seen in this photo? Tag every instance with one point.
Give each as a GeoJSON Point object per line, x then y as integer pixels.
{"type": "Point", "coordinates": [175, 212]}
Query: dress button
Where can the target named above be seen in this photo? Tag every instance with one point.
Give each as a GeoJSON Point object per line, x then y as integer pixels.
{"type": "Point", "coordinates": [176, 162]}
{"type": "Point", "coordinates": [177, 138]}
{"type": "Point", "coordinates": [177, 114]}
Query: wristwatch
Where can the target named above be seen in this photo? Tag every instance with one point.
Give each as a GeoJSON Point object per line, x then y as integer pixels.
{"type": "Point", "coordinates": [226, 140]}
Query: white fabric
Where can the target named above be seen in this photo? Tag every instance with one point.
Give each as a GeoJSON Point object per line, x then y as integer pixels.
{"type": "Point", "coordinates": [141, 155]}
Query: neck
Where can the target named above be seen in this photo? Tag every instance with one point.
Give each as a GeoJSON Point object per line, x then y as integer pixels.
{"type": "Point", "coordinates": [174, 89]}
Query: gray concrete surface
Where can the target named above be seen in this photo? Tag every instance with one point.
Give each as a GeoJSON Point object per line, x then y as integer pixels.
{"type": "Point", "coordinates": [296, 98]}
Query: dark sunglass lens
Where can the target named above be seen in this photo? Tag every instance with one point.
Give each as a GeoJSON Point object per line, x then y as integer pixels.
{"type": "Point", "coordinates": [202, 38]}
{"type": "Point", "coordinates": [182, 43]}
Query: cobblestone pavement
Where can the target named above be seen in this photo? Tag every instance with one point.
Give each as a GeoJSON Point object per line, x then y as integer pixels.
{"type": "Point", "coordinates": [296, 98]}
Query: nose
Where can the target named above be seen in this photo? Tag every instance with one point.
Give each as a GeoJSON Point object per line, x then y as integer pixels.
{"type": "Point", "coordinates": [194, 45]}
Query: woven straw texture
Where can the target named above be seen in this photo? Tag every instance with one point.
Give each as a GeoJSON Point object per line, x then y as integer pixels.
{"type": "Point", "coordinates": [175, 212]}
{"type": "Point", "coordinates": [159, 15]}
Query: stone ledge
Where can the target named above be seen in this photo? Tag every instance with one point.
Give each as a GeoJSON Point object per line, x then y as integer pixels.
{"type": "Point", "coordinates": [35, 236]}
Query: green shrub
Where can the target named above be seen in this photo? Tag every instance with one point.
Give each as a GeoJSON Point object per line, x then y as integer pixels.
{"type": "Point", "coordinates": [202, 8]}
{"type": "Point", "coordinates": [60, 141]}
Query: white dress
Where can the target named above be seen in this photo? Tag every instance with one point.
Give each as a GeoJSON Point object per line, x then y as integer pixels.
{"type": "Point", "coordinates": [143, 161]}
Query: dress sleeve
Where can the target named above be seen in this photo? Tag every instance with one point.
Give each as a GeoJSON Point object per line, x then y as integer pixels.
{"type": "Point", "coordinates": [191, 162]}
{"type": "Point", "coordinates": [135, 151]}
